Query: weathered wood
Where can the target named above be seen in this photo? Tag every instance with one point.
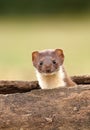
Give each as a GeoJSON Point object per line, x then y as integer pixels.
{"type": "Point", "coordinates": [85, 79]}
{"type": "Point", "coordinates": [65, 108]}
{"type": "Point", "coordinates": [7, 87]}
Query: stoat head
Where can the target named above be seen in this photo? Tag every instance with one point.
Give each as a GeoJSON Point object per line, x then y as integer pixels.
{"type": "Point", "coordinates": [48, 61]}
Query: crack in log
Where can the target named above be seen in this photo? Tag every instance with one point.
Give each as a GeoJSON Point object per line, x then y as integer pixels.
{"type": "Point", "coordinates": [9, 87]}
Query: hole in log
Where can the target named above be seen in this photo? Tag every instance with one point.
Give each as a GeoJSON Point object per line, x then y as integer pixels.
{"type": "Point", "coordinates": [9, 87]}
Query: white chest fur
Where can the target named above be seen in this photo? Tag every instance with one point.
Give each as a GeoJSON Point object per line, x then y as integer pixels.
{"type": "Point", "coordinates": [50, 81]}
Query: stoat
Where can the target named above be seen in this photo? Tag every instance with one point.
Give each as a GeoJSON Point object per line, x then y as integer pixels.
{"type": "Point", "coordinates": [49, 67]}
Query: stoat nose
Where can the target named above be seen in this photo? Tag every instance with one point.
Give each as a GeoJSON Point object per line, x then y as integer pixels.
{"type": "Point", "coordinates": [47, 66]}
{"type": "Point", "coordinates": [48, 70]}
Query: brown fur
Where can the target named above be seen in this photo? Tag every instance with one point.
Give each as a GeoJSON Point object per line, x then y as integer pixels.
{"type": "Point", "coordinates": [68, 80]}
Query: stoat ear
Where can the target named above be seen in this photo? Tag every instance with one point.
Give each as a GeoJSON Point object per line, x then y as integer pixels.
{"type": "Point", "coordinates": [34, 55]}
{"type": "Point", "coordinates": [59, 52]}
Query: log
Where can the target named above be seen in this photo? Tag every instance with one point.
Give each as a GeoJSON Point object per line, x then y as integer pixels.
{"type": "Point", "coordinates": [24, 106]}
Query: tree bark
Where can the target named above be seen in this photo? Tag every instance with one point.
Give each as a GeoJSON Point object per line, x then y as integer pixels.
{"type": "Point", "coordinates": [23, 106]}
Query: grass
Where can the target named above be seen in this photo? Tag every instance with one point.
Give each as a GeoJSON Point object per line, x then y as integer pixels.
{"type": "Point", "coordinates": [19, 37]}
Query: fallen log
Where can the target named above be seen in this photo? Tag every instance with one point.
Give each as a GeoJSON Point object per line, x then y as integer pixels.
{"type": "Point", "coordinates": [24, 106]}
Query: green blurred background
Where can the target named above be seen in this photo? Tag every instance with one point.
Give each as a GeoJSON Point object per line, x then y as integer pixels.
{"type": "Point", "coordinates": [28, 25]}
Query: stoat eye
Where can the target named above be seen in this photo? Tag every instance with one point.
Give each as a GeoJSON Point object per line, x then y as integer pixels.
{"type": "Point", "coordinates": [54, 62]}
{"type": "Point", "coordinates": [41, 63]}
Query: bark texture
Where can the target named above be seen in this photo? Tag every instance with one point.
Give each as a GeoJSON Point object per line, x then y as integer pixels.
{"type": "Point", "coordinates": [23, 106]}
